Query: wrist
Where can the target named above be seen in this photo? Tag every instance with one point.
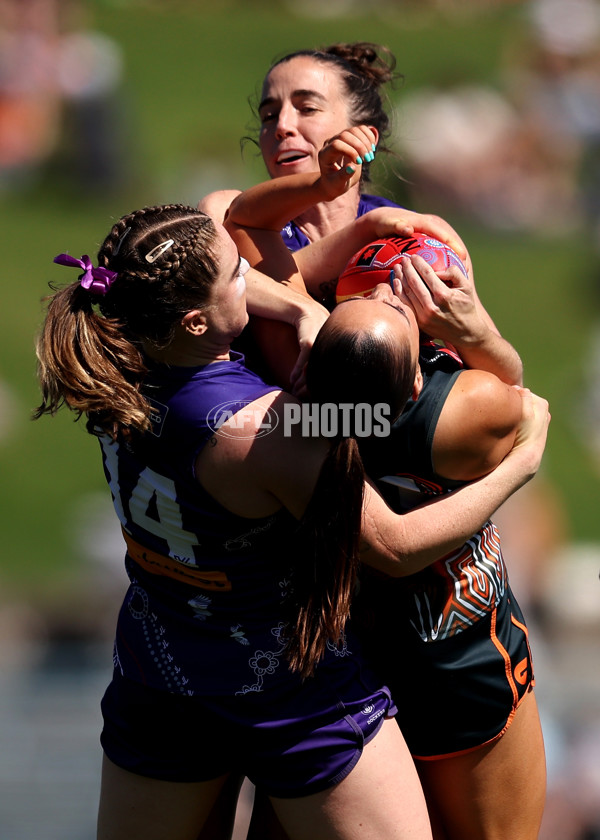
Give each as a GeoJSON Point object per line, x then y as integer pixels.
{"type": "Point", "coordinates": [325, 190]}
{"type": "Point", "coordinates": [309, 308]}
{"type": "Point", "coordinates": [365, 229]}
{"type": "Point", "coordinates": [521, 464]}
{"type": "Point", "coordinates": [294, 306]}
{"type": "Point", "coordinates": [476, 336]}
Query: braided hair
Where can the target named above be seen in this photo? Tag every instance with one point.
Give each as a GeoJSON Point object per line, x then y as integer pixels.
{"type": "Point", "coordinates": [90, 348]}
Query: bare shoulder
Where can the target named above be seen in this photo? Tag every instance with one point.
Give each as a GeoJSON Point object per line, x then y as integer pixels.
{"type": "Point", "coordinates": [477, 425]}
{"type": "Point", "coordinates": [489, 401]}
{"type": "Point", "coordinates": [216, 204]}
{"type": "Point", "coordinates": [260, 459]}
{"type": "Point", "coordinates": [285, 443]}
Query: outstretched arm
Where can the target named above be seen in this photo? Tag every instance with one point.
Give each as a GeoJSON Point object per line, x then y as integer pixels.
{"type": "Point", "coordinates": [284, 325]}
{"type": "Point", "coordinates": [284, 340]}
{"type": "Point", "coordinates": [282, 469]}
{"type": "Point", "coordinates": [216, 204]}
{"type": "Point", "coordinates": [280, 303]}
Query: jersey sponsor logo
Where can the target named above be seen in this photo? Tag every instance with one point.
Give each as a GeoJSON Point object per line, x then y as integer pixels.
{"type": "Point", "coordinates": [408, 490]}
{"type": "Point", "coordinates": [160, 564]}
{"type": "Point", "coordinates": [439, 353]}
{"type": "Point", "coordinates": [240, 542]}
{"type": "Point", "coordinates": [412, 482]}
{"type": "Point", "coordinates": [158, 415]}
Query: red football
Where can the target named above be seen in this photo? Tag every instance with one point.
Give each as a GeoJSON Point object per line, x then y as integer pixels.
{"type": "Point", "coordinates": [373, 264]}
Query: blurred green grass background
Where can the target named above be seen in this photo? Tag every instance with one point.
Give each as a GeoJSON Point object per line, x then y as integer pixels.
{"type": "Point", "coordinates": [189, 69]}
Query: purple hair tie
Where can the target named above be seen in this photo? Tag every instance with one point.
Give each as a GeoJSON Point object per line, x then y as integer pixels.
{"type": "Point", "coordinates": [96, 280]}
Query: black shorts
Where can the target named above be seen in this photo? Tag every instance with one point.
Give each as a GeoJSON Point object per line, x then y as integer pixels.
{"type": "Point", "coordinates": [295, 745]}
{"type": "Point", "coordinates": [460, 693]}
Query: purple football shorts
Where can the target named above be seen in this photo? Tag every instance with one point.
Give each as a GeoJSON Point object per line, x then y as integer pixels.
{"type": "Point", "coordinates": [294, 744]}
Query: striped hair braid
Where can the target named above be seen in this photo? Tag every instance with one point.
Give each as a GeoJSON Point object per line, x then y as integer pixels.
{"type": "Point", "coordinates": [90, 349]}
{"type": "Point", "coordinates": [167, 254]}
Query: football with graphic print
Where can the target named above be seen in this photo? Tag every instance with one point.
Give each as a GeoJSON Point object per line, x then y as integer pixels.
{"type": "Point", "coordinates": [373, 264]}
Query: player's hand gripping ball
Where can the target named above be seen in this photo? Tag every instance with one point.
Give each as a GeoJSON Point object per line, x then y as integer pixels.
{"type": "Point", "coordinates": [374, 263]}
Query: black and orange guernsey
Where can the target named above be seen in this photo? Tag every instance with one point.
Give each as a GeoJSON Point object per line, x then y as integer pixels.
{"type": "Point", "coordinates": [450, 641]}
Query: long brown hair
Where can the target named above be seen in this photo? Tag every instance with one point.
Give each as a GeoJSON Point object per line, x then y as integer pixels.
{"type": "Point", "coordinates": [344, 367]}
{"type": "Point", "coordinates": [89, 349]}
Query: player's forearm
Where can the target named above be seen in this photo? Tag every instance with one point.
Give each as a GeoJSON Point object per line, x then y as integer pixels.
{"type": "Point", "coordinates": [423, 535]}
{"type": "Point", "coordinates": [489, 351]}
{"type": "Point", "coordinates": [265, 251]}
{"type": "Point", "coordinates": [321, 262]}
{"type": "Point", "coordinates": [277, 301]}
{"type": "Point", "coordinates": [502, 358]}
{"type": "Point", "coordinates": [271, 204]}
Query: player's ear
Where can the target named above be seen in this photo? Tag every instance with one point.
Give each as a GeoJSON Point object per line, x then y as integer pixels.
{"type": "Point", "coordinates": [418, 384]}
{"type": "Point", "coordinates": [194, 322]}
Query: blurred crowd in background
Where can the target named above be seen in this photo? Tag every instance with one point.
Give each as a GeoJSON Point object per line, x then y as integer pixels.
{"type": "Point", "coordinates": [521, 156]}
{"type": "Point", "coordinates": [60, 95]}
{"type": "Point", "coordinates": [527, 155]}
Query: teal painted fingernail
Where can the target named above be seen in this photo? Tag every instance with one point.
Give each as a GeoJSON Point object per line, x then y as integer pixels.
{"type": "Point", "coordinates": [373, 146]}
{"type": "Point", "coordinates": [359, 159]}
{"type": "Point", "coordinates": [350, 170]}
{"type": "Point", "coordinates": [369, 157]}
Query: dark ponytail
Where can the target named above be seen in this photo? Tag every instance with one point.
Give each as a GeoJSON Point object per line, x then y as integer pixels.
{"type": "Point", "coordinates": [344, 367]}
{"type": "Point", "coordinates": [327, 565]}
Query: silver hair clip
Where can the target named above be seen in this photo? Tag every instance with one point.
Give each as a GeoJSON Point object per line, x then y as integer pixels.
{"type": "Point", "coordinates": [155, 253]}
{"type": "Point", "coordinates": [120, 242]}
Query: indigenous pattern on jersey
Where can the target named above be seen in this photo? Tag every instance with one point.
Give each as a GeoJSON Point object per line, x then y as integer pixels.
{"type": "Point", "coordinates": [460, 589]}
{"type": "Point", "coordinates": [449, 641]}
{"type": "Point", "coordinates": [203, 613]}
{"type": "Point", "coordinates": [461, 692]}
{"type": "Point", "coordinates": [295, 239]}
